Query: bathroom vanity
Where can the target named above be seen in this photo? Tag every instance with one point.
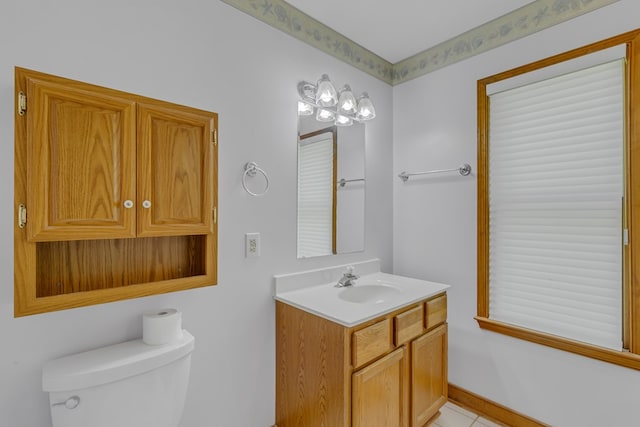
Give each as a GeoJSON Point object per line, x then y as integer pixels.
{"type": "Point", "coordinates": [377, 355]}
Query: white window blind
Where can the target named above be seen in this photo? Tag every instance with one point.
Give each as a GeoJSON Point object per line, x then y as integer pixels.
{"type": "Point", "coordinates": [315, 196]}
{"type": "Point", "coordinates": [556, 182]}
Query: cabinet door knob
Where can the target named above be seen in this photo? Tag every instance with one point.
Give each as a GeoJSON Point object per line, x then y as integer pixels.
{"type": "Point", "coordinates": [146, 204]}
{"type": "Point", "coordinates": [128, 204]}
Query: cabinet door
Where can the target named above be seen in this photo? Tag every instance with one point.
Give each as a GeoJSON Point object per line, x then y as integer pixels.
{"type": "Point", "coordinates": [80, 160]}
{"type": "Point", "coordinates": [429, 375]}
{"type": "Point", "coordinates": [175, 162]}
{"type": "Point", "coordinates": [380, 392]}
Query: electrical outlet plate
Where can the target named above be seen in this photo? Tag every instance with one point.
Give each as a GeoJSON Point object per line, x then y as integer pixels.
{"type": "Point", "coordinates": [252, 245]}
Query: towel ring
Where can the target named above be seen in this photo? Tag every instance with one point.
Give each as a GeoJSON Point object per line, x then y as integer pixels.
{"type": "Point", "coordinates": [251, 169]}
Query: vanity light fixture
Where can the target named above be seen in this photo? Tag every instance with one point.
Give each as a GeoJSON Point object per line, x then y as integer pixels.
{"type": "Point", "coordinates": [326, 95]}
{"type": "Point", "coordinates": [329, 105]}
{"type": "Point", "coordinates": [343, 120]}
{"type": "Point", "coordinates": [304, 109]}
{"type": "Point", "coordinates": [347, 102]}
{"type": "Point", "coordinates": [324, 115]}
{"type": "Point", "coordinates": [365, 108]}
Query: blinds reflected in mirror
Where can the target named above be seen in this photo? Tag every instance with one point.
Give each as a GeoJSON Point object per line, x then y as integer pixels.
{"type": "Point", "coordinates": [315, 195]}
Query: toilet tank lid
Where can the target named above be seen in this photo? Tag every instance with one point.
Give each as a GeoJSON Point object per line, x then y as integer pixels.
{"type": "Point", "coordinates": [112, 363]}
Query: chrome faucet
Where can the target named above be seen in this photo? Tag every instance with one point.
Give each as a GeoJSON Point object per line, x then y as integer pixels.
{"type": "Point", "coordinates": [347, 279]}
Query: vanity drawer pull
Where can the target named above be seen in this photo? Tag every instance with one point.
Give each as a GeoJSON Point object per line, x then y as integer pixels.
{"type": "Point", "coordinates": [371, 342]}
{"type": "Point", "coordinates": [436, 311]}
{"type": "Point", "coordinates": [408, 325]}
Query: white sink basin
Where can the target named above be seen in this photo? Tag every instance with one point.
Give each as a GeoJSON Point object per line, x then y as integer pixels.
{"type": "Point", "coordinates": [372, 295]}
{"type": "Point", "coordinates": [369, 294]}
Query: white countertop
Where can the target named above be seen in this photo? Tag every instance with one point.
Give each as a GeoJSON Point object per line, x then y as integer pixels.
{"type": "Point", "coordinates": [324, 299]}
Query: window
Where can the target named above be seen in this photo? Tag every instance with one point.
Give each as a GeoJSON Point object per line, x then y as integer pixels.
{"type": "Point", "coordinates": [556, 191]}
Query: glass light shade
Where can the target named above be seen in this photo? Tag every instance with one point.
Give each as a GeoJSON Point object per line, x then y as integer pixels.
{"type": "Point", "coordinates": [343, 120]}
{"type": "Point", "coordinates": [304, 109]}
{"type": "Point", "coordinates": [326, 95]}
{"type": "Point", "coordinates": [325, 115]}
{"type": "Point", "coordinates": [365, 108]}
{"type": "Point", "coordinates": [346, 101]}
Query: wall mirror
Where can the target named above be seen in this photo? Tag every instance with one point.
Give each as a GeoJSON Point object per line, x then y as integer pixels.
{"type": "Point", "coordinates": [331, 188]}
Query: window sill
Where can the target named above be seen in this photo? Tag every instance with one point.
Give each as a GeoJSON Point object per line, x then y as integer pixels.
{"type": "Point", "coordinates": [622, 358]}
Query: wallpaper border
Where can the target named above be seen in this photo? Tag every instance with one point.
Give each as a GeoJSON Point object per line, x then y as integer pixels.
{"type": "Point", "coordinates": [531, 18]}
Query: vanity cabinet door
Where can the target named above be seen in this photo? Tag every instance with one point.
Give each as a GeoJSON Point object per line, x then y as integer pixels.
{"type": "Point", "coordinates": [429, 375]}
{"type": "Point", "coordinates": [175, 166]}
{"type": "Point", "coordinates": [81, 161]}
{"type": "Point", "coordinates": [380, 392]}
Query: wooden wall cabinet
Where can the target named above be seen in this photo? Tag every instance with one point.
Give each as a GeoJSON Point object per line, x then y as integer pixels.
{"type": "Point", "coordinates": [390, 371]}
{"type": "Point", "coordinates": [118, 192]}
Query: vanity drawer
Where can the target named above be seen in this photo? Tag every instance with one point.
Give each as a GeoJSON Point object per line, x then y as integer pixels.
{"type": "Point", "coordinates": [371, 342]}
{"type": "Point", "coordinates": [436, 309]}
{"type": "Point", "coordinates": [408, 325]}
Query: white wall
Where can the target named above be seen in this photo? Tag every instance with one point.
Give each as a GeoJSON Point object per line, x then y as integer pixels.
{"type": "Point", "coordinates": [435, 236]}
{"type": "Point", "coordinates": [205, 54]}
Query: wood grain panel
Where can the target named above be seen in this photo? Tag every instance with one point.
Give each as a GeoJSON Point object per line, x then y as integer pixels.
{"type": "Point", "coordinates": [87, 265]}
{"type": "Point", "coordinates": [490, 409]}
{"type": "Point", "coordinates": [483, 201]}
{"type": "Point", "coordinates": [24, 252]}
{"type": "Point", "coordinates": [429, 375]}
{"type": "Point", "coordinates": [379, 392]}
{"type": "Point", "coordinates": [174, 171]}
{"type": "Point", "coordinates": [408, 325]}
{"type": "Point", "coordinates": [312, 370]}
{"type": "Point", "coordinates": [371, 342]}
{"type": "Point", "coordinates": [436, 311]}
{"type": "Point", "coordinates": [622, 358]}
{"type": "Point", "coordinates": [81, 158]}
{"type": "Point", "coordinates": [632, 282]}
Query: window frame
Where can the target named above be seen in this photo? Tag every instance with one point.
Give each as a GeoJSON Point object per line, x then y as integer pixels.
{"type": "Point", "coordinates": [630, 357]}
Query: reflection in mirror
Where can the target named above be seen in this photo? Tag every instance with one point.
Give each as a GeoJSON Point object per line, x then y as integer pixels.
{"type": "Point", "coordinates": [331, 186]}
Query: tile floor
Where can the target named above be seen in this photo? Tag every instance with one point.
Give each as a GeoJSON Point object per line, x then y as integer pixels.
{"type": "Point", "coordinates": [452, 415]}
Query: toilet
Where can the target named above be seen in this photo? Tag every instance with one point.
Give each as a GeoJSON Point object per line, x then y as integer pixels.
{"type": "Point", "coordinates": [130, 384]}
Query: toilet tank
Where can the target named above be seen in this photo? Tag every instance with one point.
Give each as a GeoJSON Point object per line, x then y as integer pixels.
{"type": "Point", "coordinates": [130, 384]}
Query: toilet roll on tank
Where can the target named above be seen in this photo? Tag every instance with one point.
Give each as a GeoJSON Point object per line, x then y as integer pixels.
{"type": "Point", "coordinates": [161, 327]}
